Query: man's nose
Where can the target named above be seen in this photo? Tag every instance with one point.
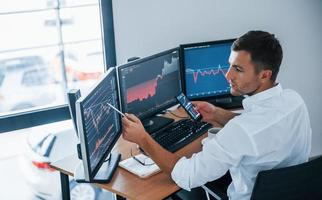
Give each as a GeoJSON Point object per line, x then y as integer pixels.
{"type": "Point", "coordinates": [228, 74]}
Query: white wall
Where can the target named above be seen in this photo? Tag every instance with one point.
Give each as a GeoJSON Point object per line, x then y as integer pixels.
{"type": "Point", "coordinates": [145, 27]}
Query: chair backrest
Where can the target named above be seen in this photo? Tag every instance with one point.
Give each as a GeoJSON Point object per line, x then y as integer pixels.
{"type": "Point", "coordinates": [303, 181]}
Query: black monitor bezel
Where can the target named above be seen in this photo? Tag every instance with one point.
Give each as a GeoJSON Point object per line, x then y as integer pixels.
{"type": "Point", "coordinates": [141, 60]}
{"type": "Point", "coordinates": [82, 130]}
{"type": "Point", "coordinates": [183, 68]}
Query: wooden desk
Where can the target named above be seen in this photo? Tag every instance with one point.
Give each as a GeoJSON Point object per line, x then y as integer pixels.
{"type": "Point", "coordinates": [124, 183]}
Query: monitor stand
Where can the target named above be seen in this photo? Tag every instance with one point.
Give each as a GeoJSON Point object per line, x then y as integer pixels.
{"type": "Point", "coordinates": [104, 174]}
{"type": "Point", "coordinates": [155, 123]}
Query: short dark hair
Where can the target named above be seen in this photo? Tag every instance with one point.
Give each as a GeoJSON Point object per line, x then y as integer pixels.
{"type": "Point", "coordinates": [264, 48]}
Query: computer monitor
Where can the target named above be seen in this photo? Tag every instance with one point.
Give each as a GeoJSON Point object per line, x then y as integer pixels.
{"type": "Point", "coordinates": [203, 68]}
{"type": "Point", "coordinates": [149, 86]}
{"type": "Point", "coordinates": [99, 128]}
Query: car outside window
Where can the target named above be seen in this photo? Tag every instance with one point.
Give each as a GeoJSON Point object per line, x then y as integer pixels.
{"type": "Point", "coordinates": [37, 77]}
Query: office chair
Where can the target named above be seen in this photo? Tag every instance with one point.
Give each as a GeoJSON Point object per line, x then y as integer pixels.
{"type": "Point", "coordinates": [301, 181]}
{"type": "Point", "coordinates": [217, 191]}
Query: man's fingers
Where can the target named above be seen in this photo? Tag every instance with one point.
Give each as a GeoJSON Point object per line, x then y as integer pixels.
{"type": "Point", "coordinates": [125, 125]}
{"type": "Point", "coordinates": [126, 122]}
{"type": "Point", "coordinates": [132, 117]}
{"type": "Point", "coordinates": [197, 104]}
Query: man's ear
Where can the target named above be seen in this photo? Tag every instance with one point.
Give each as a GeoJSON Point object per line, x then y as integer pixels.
{"type": "Point", "coordinates": [266, 75]}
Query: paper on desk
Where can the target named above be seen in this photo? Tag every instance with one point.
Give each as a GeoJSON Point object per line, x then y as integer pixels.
{"type": "Point", "coordinates": [138, 169]}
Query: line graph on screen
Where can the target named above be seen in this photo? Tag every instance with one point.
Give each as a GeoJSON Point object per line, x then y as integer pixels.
{"type": "Point", "coordinates": [206, 72]}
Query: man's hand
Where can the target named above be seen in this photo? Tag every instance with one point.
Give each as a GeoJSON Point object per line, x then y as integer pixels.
{"type": "Point", "coordinates": [206, 110]}
{"type": "Point", "coordinates": [212, 114]}
{"type": "Point", "coordinates": [133, 129]}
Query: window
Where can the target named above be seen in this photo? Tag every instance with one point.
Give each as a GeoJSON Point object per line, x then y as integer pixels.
{"type": "Point", "coordinates": [1, 78]}
{"type": "Point", "coordinates": [40, 59]}
{"type": "Point", "coordinates": [31, 33]}
{"type": "Point", "coordinates": [48, 47]}
{"type": "Point", "coordinates": [72, 55]}
{"type": "Point", "coordinates": [37, 77]}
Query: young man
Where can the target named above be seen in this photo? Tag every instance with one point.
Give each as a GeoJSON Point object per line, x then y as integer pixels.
{"type": "Point", "coordinates": [272, 132]}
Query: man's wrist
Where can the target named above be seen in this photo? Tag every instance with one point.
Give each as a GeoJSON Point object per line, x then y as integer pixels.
{"type": "Point", "coordinates": [144, 139]}
{"type": "Point", "coordinates": [215, 113]}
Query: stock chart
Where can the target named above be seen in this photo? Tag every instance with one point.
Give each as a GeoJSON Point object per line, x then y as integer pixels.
{"type": "Point", "coordinates": [205, 69]}
{"type": "Point", "coordinates": [101, 121]}
{"type": "Point", "coordinates": [149, 85]}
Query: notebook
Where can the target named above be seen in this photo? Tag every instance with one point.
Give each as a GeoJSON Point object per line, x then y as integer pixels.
{"type": "Point", "coordinates": [142, 171]}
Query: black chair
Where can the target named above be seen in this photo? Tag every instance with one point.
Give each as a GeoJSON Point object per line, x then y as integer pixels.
{"type": "Point", "coordinates": [303, 181]}
{"type": "Point", "coordinates": [299, 182]}
{"type": "Point", "coordinates": [217, 191]}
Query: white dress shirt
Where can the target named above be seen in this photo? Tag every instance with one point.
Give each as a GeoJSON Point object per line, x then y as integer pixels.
{"type": "Point", "coordinates": [272, 132]}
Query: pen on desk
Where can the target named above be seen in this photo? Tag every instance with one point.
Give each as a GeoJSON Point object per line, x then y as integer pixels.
{"type": "Point", "coordinates": [116, 109]}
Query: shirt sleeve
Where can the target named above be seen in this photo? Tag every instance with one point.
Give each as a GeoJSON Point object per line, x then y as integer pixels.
{"type": "Point", "coordinates": [221, 152]}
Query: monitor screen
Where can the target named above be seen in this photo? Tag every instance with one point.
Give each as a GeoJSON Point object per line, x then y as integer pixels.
{"type": "Point", "coordinates": [98, 124]}
{"type": "Point", "coordinates": [150, 85]}
{"type": "Point", "coordinates": [204, 66]}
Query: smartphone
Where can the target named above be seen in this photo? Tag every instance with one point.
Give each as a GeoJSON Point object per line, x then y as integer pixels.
{"type": "Point", "coordinates": [187, 105]}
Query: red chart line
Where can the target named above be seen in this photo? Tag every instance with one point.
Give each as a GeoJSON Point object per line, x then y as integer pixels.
{"type": "Point", "coordinates": [99, 141]}
{"type": "Point", "coordinates": [96, 119]}
{"type": "Point", "coordinates": [143, 90]}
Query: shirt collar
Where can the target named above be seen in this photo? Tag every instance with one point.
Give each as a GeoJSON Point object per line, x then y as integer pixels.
{"type": "Point", "coordinates": [251, 100]}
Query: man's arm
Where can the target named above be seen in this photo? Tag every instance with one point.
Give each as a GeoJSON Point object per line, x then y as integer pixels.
{"type": "Point", "coordinates": [213, 114]}
{"type": "Point", "coordinates": [133, 131]}
{"type": "Point", "coordinates": [163, 158]}
{"type": "Point", "coordinates": [209, 164]}
{"type": "Point", "coordinates": [222, 116]}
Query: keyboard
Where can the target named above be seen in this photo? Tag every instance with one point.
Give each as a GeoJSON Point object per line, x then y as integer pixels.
{"type": "Point", "coordinates": [180, 133]}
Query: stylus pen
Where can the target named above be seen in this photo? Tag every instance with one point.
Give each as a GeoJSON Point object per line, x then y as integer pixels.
{"type": "Point", "coordinates": [116, 109]}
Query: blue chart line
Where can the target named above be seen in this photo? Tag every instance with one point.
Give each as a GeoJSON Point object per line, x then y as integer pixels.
{"type": "Point", "coordinates": [210, 71]}
{"type": "Point", "coordinates": [206, 81]}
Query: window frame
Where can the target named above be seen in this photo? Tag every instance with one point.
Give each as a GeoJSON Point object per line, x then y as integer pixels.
{"type": "Point", "coordinates": [27, 119]}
